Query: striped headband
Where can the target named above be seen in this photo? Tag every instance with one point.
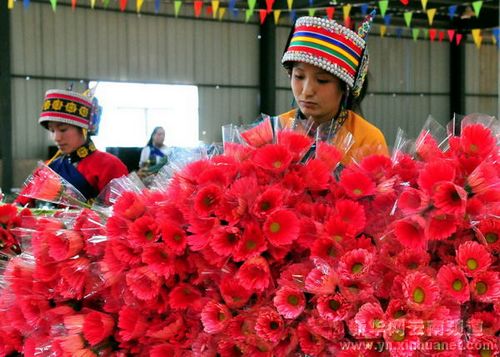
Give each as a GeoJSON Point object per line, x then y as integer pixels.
{"type": "Point", "coordinates": [328, 45]}
{"type": "Point", "coordinates": [66, 107]}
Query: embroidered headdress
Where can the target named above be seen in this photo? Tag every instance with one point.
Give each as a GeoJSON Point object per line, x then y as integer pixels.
{"type": "Point", "coordinates": [336, 49]}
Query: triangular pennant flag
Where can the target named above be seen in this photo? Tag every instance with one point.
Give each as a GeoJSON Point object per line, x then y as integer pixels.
{"type": "Point", "coordinates": [92, 4]}
{"type": "Point", "coordinates": [157, 6]}
{"type": "Point", "coordinates": [496, 35]}
{"type": "Point", "coordinates": [53, 3]}
{"type": "Point", "coordinates": [476, 36]}
{"type": "Point", "coordinates": [399, 32]}
{"type": "Point", "coordinates": [451, 34]}
{"type": "Point", "coordinates": [222, 11]}
{"type": "Point", "coordinates": [290, 4]}
{"type": "Point", "coordinates": [293, 16]}
{"type": "Point", "coordinates": [432, 34]}
{"type": "Point", "coordinates": [441, 36]}
{"type": "Point", "coordinates": [430, 15]}
{"type": "Point", "coordinates": [269, 5]}
{"type": "Point", "coordinates": [312, 11]}
{"type": "Point", "coordinates": [364, 9]}
{"type": "Point", "coordinates": [235, 11]}
{"type": "Point", "coordinates": [177, 7]}
{"type": "Point", "coordinates": [452, 10]}
{"type": "Point", "coordinates": [405, 2]}
{"type": "Point", "coordinates": [277, 14]}
{"type": "Point", "coordinates": [477, 7]}
{"type": "Point", "coordinates": [311, 3]}
{"type": "Point", "coordinates": [138, 5]}
{"type": "Point", "coordinates": [382, 4]}
{"type": "Point", "coordinates": [198, 4]}
{"type": "Point", "coordinates": [347, 10]}
{"type": "Point", "coordinates": [348, 23]}
{"type": "Point", "coordinates": [251, 4]}
{"type": "Point", "coordinates": [248, 14]}
{"type": "Point", "coordinates": [105, 3]}
{"type": "Point", "coordinates": [330, 11]}
{"type": "Point", "coordinates": [26, 3]}
{"type": "Point", "coordinates": [232, 4]}
{"type": "Point", "coordinates": [10, 5]}
{"type": "Point", "coordinates": [493, 39]}
{"type": "Point", "coordinates": [415, 34]}
{"type": "Point", "coordinates": [215, 8]}
{"type": "Point", "coordinates": [458, 38]}
{"type": "Point", "coordinates": [383, 29]}
{"type": "Point", "coordinates": [426, 32]}
{"type": "Point", "coordinates": [73, 4]}
{"type": "Point", "coordinates": [123, 5]}
{"type": "Point", "coordinates": [387, 19]}
{"type": "Point", "coordinates": [262, 15]}
{"type": "Point", "coordinates": [424, 4]}
{"type": "Point", "coordinates": [209, 10]}
{"type": "Point", "coordinates": [408, 15]}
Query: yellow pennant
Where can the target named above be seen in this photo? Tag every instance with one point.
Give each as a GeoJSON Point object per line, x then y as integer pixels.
{"type": "Point", "coordinates": [222, 12]}
{"type": "Point", "coordinates": [10, 4]}
{"type": "Point", "coordinates": [347, 10]}
{"type": "Point", "coordinates": [424, 4]}
{"type": "Point", "coordinates": [430, 15]}
{"type": "Point", "coordinates": [277, 14]}
{"type": "Point", "coordinates": [215, 7]}
{"type": "Point", "coordinates": [290, 4]}
{"type": "Point", "coordinates": [493, 39]}
{"type": "Point", "coordinates": [92, 4]}
{"type": "Point", "coordinates": [383, 30]}
{"type": "Point", "coordinates": [476, 35]}
{"type": "Point", "coordinates": [138, 5]}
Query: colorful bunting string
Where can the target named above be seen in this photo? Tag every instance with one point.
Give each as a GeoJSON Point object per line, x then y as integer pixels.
{"type": "Point", "coordinates": [477, 5]}
{"type": "Point", "coordinates": [383, 4]}
{"type": "Point", "coordinates": [408, 15]}
{"type": "Point", "coordinates": [277, 14]}
{"type": "Point", "coordinates": [430, 15]}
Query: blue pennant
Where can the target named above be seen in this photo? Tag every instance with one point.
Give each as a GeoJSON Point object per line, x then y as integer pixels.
{"type": "Point", "coordinates": [452, 10]}
{"type": "Point", "coordinates": [364, 9]}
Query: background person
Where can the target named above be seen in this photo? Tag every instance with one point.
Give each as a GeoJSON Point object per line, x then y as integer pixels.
{"type": "Point", "coordinates": [155, 154]}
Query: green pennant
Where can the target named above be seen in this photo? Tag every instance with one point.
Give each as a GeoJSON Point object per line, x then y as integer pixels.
{"type": "Point", "coordinates": [248, 14]}
{"type": "Point", "coordinates": [312, 12]}
{"type": "Point", "coordinates": [105, 3]}
{"type": "Point", "coordinates": [408, 15]}
{"type": "Point", "coordinates": [53, 3]}
{"type": "Point", "coordinates": [477, 5]}
{"type": "Point", "coordinates": [382, 4]}
{"type": "Point", "coordinates": [251, 4]}
{"type": "Point", "coordinates": [415, 34]}
{"type": "Point", "coordinates": [426, 32]}
{"type": "Point", "coordinates": [177, 7]}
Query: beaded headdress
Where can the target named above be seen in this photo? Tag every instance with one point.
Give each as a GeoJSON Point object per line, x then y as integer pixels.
{"type": "Point", "coordinates": [336, 49]}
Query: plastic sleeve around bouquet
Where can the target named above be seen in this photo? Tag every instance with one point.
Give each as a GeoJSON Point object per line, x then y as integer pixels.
{"type": "Point", "coordinates": [45, 184]}
{"type": "Point", "coordinates": [257, 134]}
{"type": "Point", "coordinates": [327, 137]}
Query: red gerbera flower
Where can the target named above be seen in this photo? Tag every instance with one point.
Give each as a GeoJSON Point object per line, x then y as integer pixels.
{"type": "Point", "coordinates": [143, 283]}
{"type": "Point", "coordinates": [260, 134]}
{"type": "Point", "coordinates": [406, 168]}
{"type": "Point", "coordinates": [251, 244]}
{"type": "Point", "coordinates": [74, 274]}
{"type": "Point", "coordinates": [485, 287]}
{"type": "Point", "coordinates": [420, 291]}
{"type": "Point", "coordinates": [356, 183]}
{"type": "Point", "coordinates": [333, 307]}
{"type": "Point", "coordinates": [215, 317]}
{"type": "Point", "coordinates": [144, 230]}
{"type": "Point", "coordinates": [483, 323]}
{"type": "Point", "coordinates": [339, 230]}
{"type": "Point", "coordinates": [370, 320]}
{"type": "Point", "coordinates": [327, 249]}
{"type": "Point", "coordinates": [478, 140]}
{"type": "Point", "coordinates": [97, 326]}
{"type": "Point", "coordinates": [410, 232]}
{"type": "Point", "coordinates": [489, 233]}
{"type": "Point", "coordinates": [453, 283]}
{"type": "Point", "coordinates": [225, 240]}
{"type": "Point", "coordinates": [411, 259]}
{"type": "Point", "coordinates": [282, 227]}
{"type": "Point", "coordinates": [355, 264]}
{"type": "Point", "coordinates": [412, 201]}
{"type": "Point", "coordinates": [427, 147]}
{"type": "Point", "coordinates": [268, 201]}
{"type": "Point", "coordinates": [157, 257]}
{"type": "Point", "coordinates": [235, 295]}
{"type": "Point", "coordinates": [269, 325]}
{"type": "Point", "coordinates": [328, 154]}
{"type": "Point", "coordinates": [207, 199]}
{"type": "Point", "coordinates": [132, 323]}
{"type": "Point", "coordinates": [183, 296]}
{"type": "Point", "coordinates": [316, 175]}
{"type": "Point", "coordinates": [352, 213]}
{"type": "Point", "coordinates": [321, 280]}
{"type": "Point", "coordinates": [117, 228]}
{"type": "Point", "coordinates": [64, 244]}
{"type": "Point", "coordinates": [130, 206]}
{"type": "Point", "coordinates": [473, 258]}
{"type": "Point", "coordinates": [450, 198]}
{"type": "Point", "coordinates": [483, 178]}
{"type": "Point", "coordinates": [124, 252]}
{"type": "Point", "coordinates": [289, 302]}
{"type": "Point", "coordinates": [440, 225]}
{"type": "Point", "coordinates": [358, 290]}
{"type": "Point", "coordinates": [310, 343]}
{"type": "Point", "coordinates": [434, 172]}
{"type": "Point", "coordinates": [174, 236]}
{"type": "Point", "coordinates": [379, 167]}
{"type": "Point", "coordinates": [297, 143]}
{"type": "Point", "coordinates": [8, 213]}
{"type": "Point", "coordinates": [255, 274]}
{"type": "Point", "coordinates": [274, 158]}
{"type": "Point", "coordinates": [481, 346]}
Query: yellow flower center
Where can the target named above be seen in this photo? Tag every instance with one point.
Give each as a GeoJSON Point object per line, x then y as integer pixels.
{"type": "Point", "coordinates": [177, 237]}
{"type": "Point", "coordinates": [277, 164]}
{"type": "Point", "coordinates": [356, 268]}
{"type": "Point", "coordinates": [485, 353]}
{"type": "Point", "coordinates": [293, 300]}
{"type": "Point", "coordinates": [418, 295]}
{"type": "Point", "coordinates": [221, 316]}
{"type": "Point", "coordinates": [337, 238]}
{"type": "Point", "coordinates": [472, 264]}
{"type": "Point", "coordinates": [398, 336]}
{"type": "Point", "coordinates": [457, 285]}
{"type": "Point", "coordinates": [334, 305]}
{"type": "Point", "coordinates": [250, 245]}
{"type": "Point", "coordinates": [357, 191]}
{"type": "Point", "coordinates": [491, 237]}
{"type": "Point", "coordinates": [149, 235]}
{"type": "Point", "coordinates": [473, 147]}
{"type": "Point", "coordinates": [481, 288]}
{"type": "Point", "coordinates": [274, 227]}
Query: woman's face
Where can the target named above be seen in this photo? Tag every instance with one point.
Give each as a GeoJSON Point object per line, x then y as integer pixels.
{"type": "Point", "coordinates": [318, 93]}
{"type": "Point", "coordinates": [67, 137]}
{"type": "Point", "coordinates": [159, 137]}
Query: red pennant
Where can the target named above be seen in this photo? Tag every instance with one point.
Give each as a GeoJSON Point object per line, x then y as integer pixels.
{"type": "Point", "coordinates": [432, 34]}
{"type": "Point", "coordinates": [123, 5]}
{"type": "Point", "coordinates": [262, 14]}
{"type": "Point", "coordinates": [198, 4]}
{"type": "Point", "coordinates": [73, 4]}
{"type": "Point", "coordinates": [330, 11]}
{"type": "Point", "coordinates": [405, 2]}
{"type": "Point", "coordinates": [451, 33]}
{"type": "Point", "coordinates": [458, 38]}
{"type": "Point", "coordinates": [348, 22]}
{"type": "Point", "coordinates": [441, 36]}
{"type": "Point", "coordinates": [269, 5]}
{"type": "Point", "coordinates": [209, 10]}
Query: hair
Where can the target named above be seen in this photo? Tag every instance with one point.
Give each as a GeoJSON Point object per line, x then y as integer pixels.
{"type": "Point", "coordinates": [155, 130]}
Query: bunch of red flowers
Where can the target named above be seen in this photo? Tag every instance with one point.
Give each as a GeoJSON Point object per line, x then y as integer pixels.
{"type": "Point", "coordinates": [257, 253]}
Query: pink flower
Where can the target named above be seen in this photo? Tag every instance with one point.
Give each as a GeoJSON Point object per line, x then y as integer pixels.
{"type": "Point", "coordinates": [310, 343]}
{"type": "Point", "coordinates": [143, 283]}
{"type": "Point", "coordinates": [234, 294]}
{"type": "Point", "coordinates": [174, 237]}
{"type": "Point", "coordinates": [355, 264]}
{"type": "Point", "coordinates": [289, 302]}
{"type": "Point", "coordinates": [64, 244]}
{"type": "Point", "coordinates": [412, 201]}
{"type": "Point", "coordinates": [440, 225]}
{"type": "Point", "coordinates": [410, 232]}
{"type": "Point", "coordinates": [421, 291]}
{"type": "Point", "coordinates": [489, 230]}
{"type": "Point", "coordinates": [281, 227]}
{"type": "Point", "coordinates": [268, 201]}
{"type": "Point", "coordinates": [251, 244]}
{"type": "Point", "coordinates": [255, 274]}
{"type": "Point", "coordinates": [453, 283]}
{"type": "Point", "coordinates": [157, 257]}
{"type": "Point", "coordinates": [333, 307]}
{"type": "Point", "coordinates": [485, 287]}
{"type": "Point", "coordinates": [473, 258]}
{"type": "Point", "coordinates": [450, 198]}
{"type": "Point", "coordinates": [207, 199]}
{"type": "Point", "coordinates": [144, 230]}
{"type": "Point", "coordinates": [215, 317]}
{"type": "Point", "coordinates": [321, 280]}
{"type": "Point", "coordinates": [129, 206]}
{"type": "Point", "coordinates": [269, 325]}
{"type": "Point", "coordinates": [370, 321]}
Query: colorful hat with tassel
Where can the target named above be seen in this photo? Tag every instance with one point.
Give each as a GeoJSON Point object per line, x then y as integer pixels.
{"type": "Point", "coordinates": [336, 49]}
{"type": "Point", "coordinates": [66, 107]}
